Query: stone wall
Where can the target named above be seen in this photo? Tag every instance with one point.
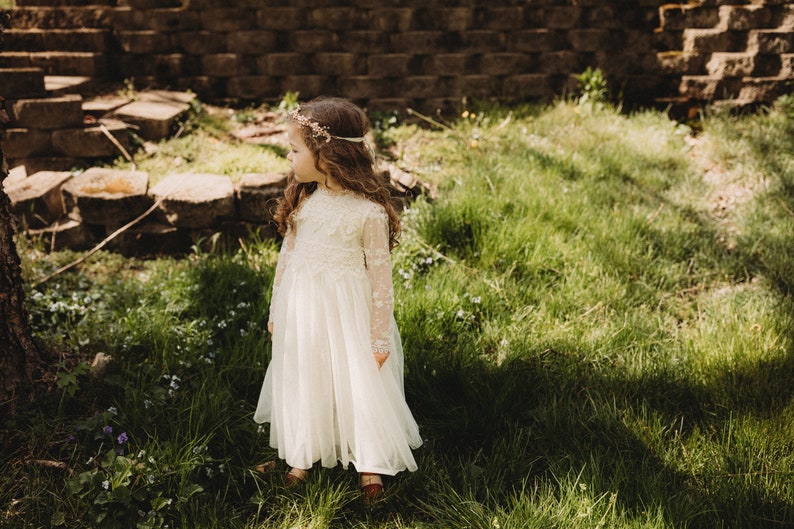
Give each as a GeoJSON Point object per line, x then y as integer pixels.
{"type": "Point", "coordinates": [422, 54]}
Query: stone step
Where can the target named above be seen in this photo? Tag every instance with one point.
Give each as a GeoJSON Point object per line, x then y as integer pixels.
{"type": "Point", "coordinates": [37, 198]}
{"type": "Point", "coordinates": [195, 200]}
{"type": "Point", "coordinates": [46, 113]}
{"type": "Point", "coordinates": [92, 141]}
{"type": "Point", "coordinates": [16, 83]}
{"type": "Point", "coordinates": [37, 40]}
{"type": "Point", "coordinates": [155, 112]}
{"type": "Point", "coordinates": [708, 88]}
{"type": "Point", "coordinates": [58, 63]}
{"type": "Point", "coordinates": [57, 85]}
{"type": "Point", "coordinates": [107, 197]}
{"type": "Point", "coordinates": [772, 41]}
{"type": "Point", "coordinates": [60, 17]}
{"type": "Point", "coordinates": [744, 65]}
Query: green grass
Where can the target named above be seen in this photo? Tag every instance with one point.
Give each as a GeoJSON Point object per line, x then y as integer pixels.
{"type": "Point", "coordinates": [597, 315]}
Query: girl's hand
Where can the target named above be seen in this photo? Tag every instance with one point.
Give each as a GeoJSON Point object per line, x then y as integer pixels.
{"type": "Point", "coordinates": [270, 327]}
{"type": "Point", "coordinates": [380, 358]}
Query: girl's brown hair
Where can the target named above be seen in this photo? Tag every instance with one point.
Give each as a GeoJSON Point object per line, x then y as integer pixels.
{"type": "Point", "coordinates": [349, 163]}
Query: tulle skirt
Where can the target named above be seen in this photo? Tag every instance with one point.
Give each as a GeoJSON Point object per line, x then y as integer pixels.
{"type": "Point", "coordinates": [323, 394]}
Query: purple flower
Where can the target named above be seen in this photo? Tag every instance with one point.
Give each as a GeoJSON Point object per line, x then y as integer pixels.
{"type": "Point", "coordinates": [122, 438]}
{"type": "Point", "coordinates": [108, 430]}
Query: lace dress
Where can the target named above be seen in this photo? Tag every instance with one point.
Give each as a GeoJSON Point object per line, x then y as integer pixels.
{"type": "Point", "coordinates": [332, 306]}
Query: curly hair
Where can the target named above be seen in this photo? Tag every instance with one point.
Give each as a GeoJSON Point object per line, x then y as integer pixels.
{"type": "Point", "coordinates": [350, 163]}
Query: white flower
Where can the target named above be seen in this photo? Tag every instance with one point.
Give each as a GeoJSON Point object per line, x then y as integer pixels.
{"type": "Point", "coordinates": [113, 410]}
{"type": "Point", "coordinates": [460, 314]}
{"type": "Point", "coordinates": [106, 484]}
{"type": "Point", "coordinates": [476, 300]}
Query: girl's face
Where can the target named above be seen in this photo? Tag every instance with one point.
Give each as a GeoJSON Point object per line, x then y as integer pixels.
{"type": "Point", "coordinates": [302, 158]}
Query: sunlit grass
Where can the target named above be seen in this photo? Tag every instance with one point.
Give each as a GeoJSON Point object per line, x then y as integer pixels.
{"type": "Point", "coordinates": [594, 338]}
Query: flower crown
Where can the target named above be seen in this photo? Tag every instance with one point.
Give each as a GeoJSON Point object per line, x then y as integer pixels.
{"type": "Point", "coordinates": [317, 130]}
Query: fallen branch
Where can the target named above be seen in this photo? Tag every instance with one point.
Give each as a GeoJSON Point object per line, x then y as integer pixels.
{"type": "Point", "coordinates": [101, 244]}
{"type": "Point", "coordinates": [118, 145]}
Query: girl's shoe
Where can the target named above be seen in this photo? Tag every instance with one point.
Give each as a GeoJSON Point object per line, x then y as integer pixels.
{"type": "Point", "coordinates": [295, 477]}
{"type": "Point", "coordinates": [264, 468]}
{"type": "Point", "coordinates": [371, 486]}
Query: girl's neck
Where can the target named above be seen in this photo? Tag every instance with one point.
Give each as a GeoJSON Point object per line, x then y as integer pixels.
{"type": "Point", "coordinates": [331, 185]}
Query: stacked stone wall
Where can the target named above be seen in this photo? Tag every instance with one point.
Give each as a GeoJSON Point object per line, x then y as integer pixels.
{"type": "Point", "coordinates": [423, 54]}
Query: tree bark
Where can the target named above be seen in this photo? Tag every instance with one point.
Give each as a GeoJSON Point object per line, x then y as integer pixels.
{"type": "Point", "coordinates": [20, 359]}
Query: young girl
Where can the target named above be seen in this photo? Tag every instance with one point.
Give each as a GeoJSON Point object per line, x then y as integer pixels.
{"type": "Point", "coordinates": [333, 391]}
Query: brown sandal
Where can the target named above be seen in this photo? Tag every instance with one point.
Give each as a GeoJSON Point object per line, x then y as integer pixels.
{"type": "Point", "coordinates": [371, 486]}
{"type": "Point", "coordinates": [264, 468]}
{"type": "Point", "coordinates": [295, 477]}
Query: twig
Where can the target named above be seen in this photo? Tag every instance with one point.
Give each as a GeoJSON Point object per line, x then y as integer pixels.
{"type": "Point", "coordinates": [48, 463]}
{"type": "Point", "coordinates": [655, 214]}
{"type": "Point", "coordinates": [788, 210]}
{"type": "Point", "coordinates": [118, 145]}
{"type": "Point", "coordinates": [429, 119]}
{"type": "Point", "coordinates": [101, 244]}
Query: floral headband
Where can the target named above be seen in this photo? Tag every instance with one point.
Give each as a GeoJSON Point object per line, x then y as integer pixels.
{"type": "Point", "coordinates": [317, 130]}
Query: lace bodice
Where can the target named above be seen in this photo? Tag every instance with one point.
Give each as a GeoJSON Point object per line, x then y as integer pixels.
{"type": "Point", "coordinates": [344, 233]}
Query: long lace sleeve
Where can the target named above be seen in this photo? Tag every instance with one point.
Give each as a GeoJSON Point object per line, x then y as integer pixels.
{"type": "Point", "coordinates": [376, 253]}
{"type": "Point", "coordinates": [283, 259]}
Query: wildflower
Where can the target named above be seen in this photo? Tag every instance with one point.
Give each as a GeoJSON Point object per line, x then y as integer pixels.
{"type": "Point", "coordinates": [113, 410]}
{"type": "Point", "coordinates": [476, 300]}
{"type": "Point", "coordinates": [147, 404]}
{"type": "Point", "coordinates": [460, 314]}
{"type": "Point", "coordinates": [429, 260]}
{"type": "Point", "coordinates": [90, 460]}
{"type": "Point", "coordinates": [150, 478]}
{"type": "Point", "coordinates": [107, 430]}
{"type": "Point", "coordinates": [106, 484]}
{"type": "Point", "coordinates": [122, 438]}
{"type": "Point", "coordinates": [141, 453]}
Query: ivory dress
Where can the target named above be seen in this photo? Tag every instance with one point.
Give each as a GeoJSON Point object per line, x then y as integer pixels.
{"type": "Point", "coordinates": [332, 306]}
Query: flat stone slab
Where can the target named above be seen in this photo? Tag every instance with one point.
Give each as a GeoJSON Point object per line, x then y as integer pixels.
{"type": "Point", "coordinates": [99, 106]}
{"type": "Point", "coordinates": [48, 114]}
{"type": "Point", "coordinates": [257, 194]}
{"type": "Point", "coordinates": [155, 112]}
{"type": "Point", "coordinates": [195, 200]}
{"type": "Point", "coordinates": [37, 199]}
{"type": "Point", "coordinates": [92, 141]}
{"type": "Point", "coordinates": [18, 83]}
{"type": "Point", "coordinates": [107, 197]}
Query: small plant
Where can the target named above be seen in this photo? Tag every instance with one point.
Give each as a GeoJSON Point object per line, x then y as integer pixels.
{"type": "Point", "coordinates": [592, 86]}
{"type": "Point", "coordinates": [289, 102]}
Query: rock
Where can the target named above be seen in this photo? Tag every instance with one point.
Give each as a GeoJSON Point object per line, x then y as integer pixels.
{"type": "Point", "coordinates": [108, 197]}
{"type": "Point", "coordinates": [92, 141]}
{"type": "Point", "coordinates": [37, 198]}
{"type": "Point", "coordinates": [155, 113]}
{"type": "Point", "coordinates": [257, 194]}
{"type": "Point", "coordinates": [69, 234]}
{"type": "Point", "coordinates": [195, 200]}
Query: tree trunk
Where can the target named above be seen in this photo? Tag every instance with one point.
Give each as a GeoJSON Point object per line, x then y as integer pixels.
{"type": "Point", "coordinates": [20, 359]}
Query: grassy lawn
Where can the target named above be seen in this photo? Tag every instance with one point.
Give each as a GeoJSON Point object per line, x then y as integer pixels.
{"type": "Point", "coordinates": [598, 323]}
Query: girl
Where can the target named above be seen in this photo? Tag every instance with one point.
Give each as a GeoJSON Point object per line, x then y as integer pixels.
{"type": "Point", "coordinates": [333, 391]}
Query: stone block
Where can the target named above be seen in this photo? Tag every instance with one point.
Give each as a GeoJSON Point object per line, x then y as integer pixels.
{"type": "Point", "coordinates": [257, 194]}
{"type": "Point", "coordinates": [336, 64]}
{"type": "Point", "coordinates": [731, 64]}
{"type": "Point", "coordinates": [228, 19]}
{"type": "Point", "coordinates": [560, 62]}
{"type": "Point", "coordinates": [309, 86]}
{"type": "Point", "coordinates": [155, 113]}
{"type": "Point", "coordinates": [678, 62]}
{"type": "Point", "coordinates": [483, 41]}
{"type": "Point", "coordinates": [89, 64]}
{"type": "Point", "coordinates": [22, 143]}
{"type": "Point", "coordinates": [171, 20]}
{"type": "Point", "coordinates": [224, 65]}
{"type": "Point", "coordinates": [389, 64]}
{"type": "Point", "coordinates": [337, 18]}
{"type": "Point", "coordinates": [447, 64]}
{"type": "Point", "coordinates": [446, 18]}
{"type": "Point", "coordinates": [65, 234]}
{"type": "Point", "coordinates": [589, 40]}
{"type": "Point", "coordinates": [37, 199]}
{"type": "Point", "coordinates": [688, 16]}
{"type": "Point", "coordinates": [700, 87]}
{"type": "Point", "coordinates": [533, 40]}
{"type": "Point", "coordinates": [251, 42]}
{"type": "Point", "coordinates": [35, 164]}
{"type": "Point", "coordinates": [200, 42]}
{"type": "Point", "coordinates": [418, 42]}
{"type": "Point", "coordinates": [391, 19]}
{"type": "Point", "coordinates": [313, 41]}
{"type": "Point", "coordinates": [770, 41]}
{"type": "Point", "coordinates": [19, 83]}
{"type": "Point", "coordinates": [745, 17]}
{"type": "Point", "coordinates": [151, 238]}
{"type": "Point", "coordinates": [281, 18]}
{"type": "Point", "coordinates": [367, 41]}
{"type": "Point", "coordinates": [92, 141]}
{"type": "Point", "coordinates": [479, 85]}
{"type": "Point", "coordinates": [363, 86]}
{"type": "Point", "coordinates": [503, 63]}
{"type": "Point", "coordinates": [107, 197]}
{"type": "Point", "coordinates": [500, 18]}
{"type": "Point", "coordinates": [418, 86]}
{"type": "Point", "coordinates": [706, 41]}
{"type": "Point", "coordinates": [528, 86]}
{"type": "Point", "coordinates": [195, 200]}
{"type": "Point", "coordinates": [563, 17]}
{"type": "Point", "coordinates": [253, 87]}
{"type": "Point", "coordinates": [143, 41]}
{"type": "Point", "coordinates": [764, 89]}
{"type": "Point", "coordinates": [47, 114]}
